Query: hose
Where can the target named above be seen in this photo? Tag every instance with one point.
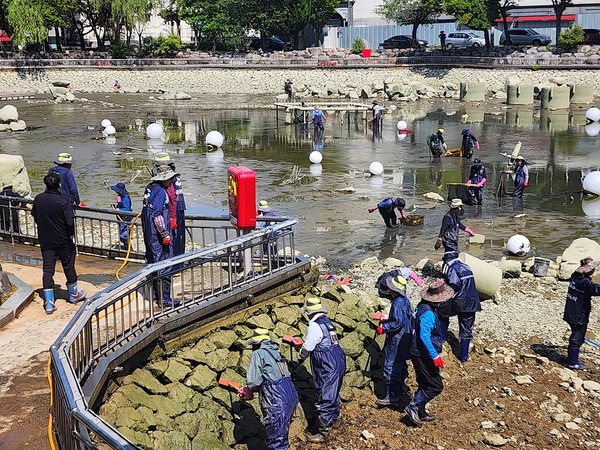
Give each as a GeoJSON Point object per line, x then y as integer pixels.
{"type": "Point", "coordinates": [128, 248]}
{"type": "Point", "coordinates": [50, 434]}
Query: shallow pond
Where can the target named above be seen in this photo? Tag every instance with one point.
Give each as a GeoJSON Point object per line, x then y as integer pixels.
{"type": "Point", "coordinates": [333, 224]}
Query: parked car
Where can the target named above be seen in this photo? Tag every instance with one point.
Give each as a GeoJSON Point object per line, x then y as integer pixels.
{"type": "Point", "coordinates": [402, 41]}
{"type": "Point", "coordinates": [273, 43]}
{"type": "Point", "coordinates": [463, 39]}
{"type": "Point", "coordinates": [591, 36]}
{"type": "Point", "coordinates": [522, 36]}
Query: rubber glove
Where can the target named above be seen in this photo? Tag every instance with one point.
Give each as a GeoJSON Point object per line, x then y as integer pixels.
{"type": "Point", "coordinates": [468, 230]}
{"type": "Point", "coordinates": [469, 183]}
{"type": "Point", "coordinates": [82, 204]}
{"type": "Point", "coordinates": [525, 184]}
{"type": "Point", "coordinates": [477, 144]}
{"type": "Point", "coordinates": [372, 209]}
{"type": "Point", "coordinates": [438, 244]}
{"type": "Point", "coordinates": [439, 362]}
{"type": "Point", "coordinates": [481, 183]}
{"type": "Point", "coordinates": [166, 241]}
{"type": "Point", "coordinates": [173, 223]}
{"type": "Point", "coordinates": [418, 280]}
{"type": "Point", "coordinates": [379, 330]}
{"type": "Point", "coordinates": [245, 393]}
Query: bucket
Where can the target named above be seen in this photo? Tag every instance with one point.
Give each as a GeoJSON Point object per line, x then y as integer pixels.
{"type": "Point", "coordinates": [540, 267]}
{"type": "Point", "coordinates": [413, 220]}
{"type": "Point", "coordinates": [366, 52]}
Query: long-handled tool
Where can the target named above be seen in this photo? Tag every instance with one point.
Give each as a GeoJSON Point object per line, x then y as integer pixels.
{"type": "Point", "coordinates": [592, 342]}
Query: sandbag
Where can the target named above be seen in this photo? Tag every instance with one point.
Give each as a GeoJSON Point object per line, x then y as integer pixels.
{"type": "Point", "coordinates": [487, 276]}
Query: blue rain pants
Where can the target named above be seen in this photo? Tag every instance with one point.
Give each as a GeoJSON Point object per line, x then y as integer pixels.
{"type": "Point", "coordinates": [328, 368]}
{"type": "Point", "coordinates": [278, 400]}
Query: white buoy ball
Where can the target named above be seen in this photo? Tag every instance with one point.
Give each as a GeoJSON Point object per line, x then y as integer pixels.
{"type": "Point", "coordinates": [518, 245]}
{"type": "Point", "coordinates": [106, 123]}
{"type": "Point", "coordinates": [591, 182]}
{"type": "Point", "coordinates": [592, 129]}
{"type": "Point", "coordinates": [315, 157]}
{"type": "Point", "coordinates": [315, 169]}
{"type": "Point", "coordinates": [376, 168]}
{"type": "Point", "coordinates": [215, 139]}
{"type": "Point", "coordinates": [593, 114]}
{"type": "Point", "coordinates": [154, 131]}
{"type": "Point", "coordinates": [109, 130]}
{"type": "Point", "coordinates": [402, 125]}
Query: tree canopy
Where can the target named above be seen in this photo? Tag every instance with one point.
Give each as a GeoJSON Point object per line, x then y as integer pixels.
{"type": "Point", "coordinates": [410, 12]}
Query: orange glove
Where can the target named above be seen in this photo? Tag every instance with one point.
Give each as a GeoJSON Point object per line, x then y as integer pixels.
{"type": "Point", "coordinates": [173, 223]}
{"type": "Point", "coordinates": [166, 241]}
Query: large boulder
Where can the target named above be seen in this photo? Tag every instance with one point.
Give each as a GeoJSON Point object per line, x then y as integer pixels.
{"type": "Point", "coordinates": [19, 125]}
{"type": "Point", "coordinates": [9, 114]}
{"type": "Point", "coordinates": [223, 338]}
{"type": "Point", "coordinates": [202, 378]}
{"type": "Point", "coordinates": [579, 249]}
{"type": "Point", "coordinates": [13, 172]}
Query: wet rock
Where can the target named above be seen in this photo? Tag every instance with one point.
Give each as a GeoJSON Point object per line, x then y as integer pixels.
{"type": "Point", "coordinates": [60, 82]}
{"type": "Point", "coordinates": [58, 92]}
{"type": "Point", "coordinates": [9, 114]}
{"type": "Point", "coordinates": [19, 125]}
{"type": "Point", "coordinates": [171, 440]}
{"type": "Point", "coordinates": [144, 379]}
{"type": "Point", "coordinates": [261, 321]}
{"type": "Point", "coordinates": [201, 378]}
{"type": "Point", "coordinates": [177, 370]}
{"type": "Point", "coordinates": [3, 127]}
{"type": "Point", "coordinates": [434, 196]}
{"type": "Point", "coordinates": [182, 96]}
{"type": "Point", "coordinates": [223, 339]}
{"type": "Point", "coordinates": [346, 190]}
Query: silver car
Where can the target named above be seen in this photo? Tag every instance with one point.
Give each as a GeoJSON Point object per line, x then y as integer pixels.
{"type": "Point", "coordinates": [463, 39]}
{"type": "Point", "coordinates": [522, 36]}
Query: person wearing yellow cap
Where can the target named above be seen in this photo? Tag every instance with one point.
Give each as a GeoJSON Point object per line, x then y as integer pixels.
{"type": "Point", "coordinates": [68, 187]}
{"type": "Point", "coordinates": [327, 364]}
{"type": "Point", "coordinates": [436, 143]}
{"type": "Point", "coordinates": [451, 224]}
{"type": "Point", "coordinates": [268, 375]}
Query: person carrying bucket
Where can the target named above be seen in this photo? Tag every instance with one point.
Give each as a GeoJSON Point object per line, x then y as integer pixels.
{"type": "Point", "coordinates": [469, 141]}
{"type": "Point", "coordinates": [436, 143]}
{"type": "Point", "coordinates": [451, 224]}
{"type": "Point", "coordinates": [477, 177]}
{"type": "Point", "coordinates": [386, 209]}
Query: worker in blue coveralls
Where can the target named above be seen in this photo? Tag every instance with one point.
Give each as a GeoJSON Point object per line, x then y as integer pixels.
{"type": "Point", "coordinates": [464, 303]}
{"type": "Point", "coordinates": [318, 117]}
{"type": "Point", "coordinates": [328, 366]}
{"type": "Point", "coordinates": [469, 141]}
{"type": "Point", "coordinates": [123, 204]}
{"type": "Point", "coordinates": [157, 230]}
{"type": "Point", "coordinates": [521, 172]}
{"type": "Point", "coordinates": [425, 350]}
{"type": "Point", "coordinates": [176, 204]}
{"type": "Point", "coordinates": [397, 328]}
{"type": "Point", "coordinates": [268, 375]}
{"type": "Point", "coordinates": [386, 209]}
{"type": "Point", "coordinates": [451, 224]}
{"type": "Point", "coordinates": [477, 177]}
{"type": "Point", "coordinates": [578, 308]}
{"type": "Point", "coordinates": [68, 187]}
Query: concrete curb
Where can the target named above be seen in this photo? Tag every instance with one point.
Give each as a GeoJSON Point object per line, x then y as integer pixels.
{"type": "Point", "coordinates": [17, 302]}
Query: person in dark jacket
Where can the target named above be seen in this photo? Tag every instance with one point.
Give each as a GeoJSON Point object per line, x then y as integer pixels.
{"type": "Point", "coordinates": [157, 230]}
{"type": "Point", "coordinates": [268, 375]}
{"type": "Point", "coordinates": [123, 204]}
{"type": "Point", "coordinates": [10, 215]}
{"type": "Point", "coordinates": [436, 143]}
{"type": "Point", "coordinates": [464, 303]}
{"type": "Point", "coordinates": [328, 366]}
{"type": "Point", "coordinates": [477, 177]}
{"type": "Point", "coordinates": [287, 87]}
{"type": "Point", "coordinates": [469, 142]}
{"type": "Point", "coordinates": [451, 224]}
{"type": "Point", "coordinates": [386, 209]}
{"type": "Point", "coordinates": [397, 328]}
{"type": "Point", "coordinates": [68, 187]}
{"type": "Point", "coordinates": [521, 172]}
{"type": "Point", "coordinates": [578, 308]}
{"type": "Point", "coordinates": [425, 350]}
{"type": "Point", "coordinates": [55, 220]}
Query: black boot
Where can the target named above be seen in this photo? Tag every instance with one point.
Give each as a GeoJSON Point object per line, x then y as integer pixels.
{"type": "Point", "coordinates": [425, 416]}
{"type": "Point", "coordinates": [321, 436]}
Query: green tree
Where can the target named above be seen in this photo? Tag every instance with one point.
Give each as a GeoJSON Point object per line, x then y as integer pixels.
{"type": "Point", "coordinates": [410, 12]}
{"type": "Point", "coordinates": [211, 19]}
{"type": "Point", "coordinates": [26, 18]}
{"type": "Point", "coordinates": [503, 6]}
{"type": "Point", "coordinates": [559, 8]}
{"type": "Point", "coordinates": [170, 14]}
{"type": "Point", "coordinates": [322, 11]}
{"type": "Point", "coordinates": [476, 14]}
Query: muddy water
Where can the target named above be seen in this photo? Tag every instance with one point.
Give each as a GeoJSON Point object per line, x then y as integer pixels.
{"type": "Point", "coordinates": [333, 224]}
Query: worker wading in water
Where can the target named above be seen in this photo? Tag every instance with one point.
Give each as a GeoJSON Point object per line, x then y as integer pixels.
{"type": "Point", "coordinates": [451, 225]}
{"type": "Point", "coordinates": [386, 209]}
{"type": "Point", "coordinates": [436, 143]}
{"type": "Point", "coordinates": [477, 177]}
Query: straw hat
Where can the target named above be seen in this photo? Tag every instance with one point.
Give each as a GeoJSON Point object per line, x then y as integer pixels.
{"type": "Point", "coordinates": [456, 202]}
{"type": "Point", "coordinates": [437, 292]}
{"type": "Point", "coordinates": [587, 265]}
{"type": "Point", "coordinates": [164, 173]}
{"type": "Point", "coordinates": [313, 306]}
{"type": "Point", "coordinates": [260, 334]}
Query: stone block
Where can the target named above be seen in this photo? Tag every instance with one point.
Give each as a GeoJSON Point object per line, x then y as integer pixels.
{"type": "Point", "coordinates": [217, 360]}
{"type": "Point", "coordinates": [177, 370]}
{"type": "Point", "coordinates": [202, 378]}
{"type": "Point", "coordinates": [223, 339]}
{"type": "Point", "coordinates": [144, 379]}
{"type": "Point", "coordinates": [261, 321]}
{"type": "Point", "coordinates": [170, 440]}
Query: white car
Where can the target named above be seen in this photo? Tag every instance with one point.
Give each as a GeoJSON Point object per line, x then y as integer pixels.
{"type": "Point", "coordinates": [463, 39]}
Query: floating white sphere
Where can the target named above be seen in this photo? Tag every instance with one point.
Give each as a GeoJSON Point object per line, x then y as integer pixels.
{"type": "Point", "coordinates": [591, 207]}
{"type": "Point", "coordinates": [154, 131]}
{"type": "Point", "coordinates": [593, 114]}
{"type": "Point", "coordinates": [315, 157]}
{"type": "Point", "coordinates": [215, 139]}
{"type": "Point", "coordinates": [109, 130]}
{"type": "Point", "coordinates": [591, 182]}
{"type": "Point", "coordinates": [401, 125]}
{"type": "Point", "coordinates": [376, 168]}
{"type": "Point", "coordinates": [316, 169]}
{"type": "Point", "coordinates": [592, 129]}
{"type": "Point", "coordinates": [518, 245]}
{"type": "Point", "coordinates": [106, 123]}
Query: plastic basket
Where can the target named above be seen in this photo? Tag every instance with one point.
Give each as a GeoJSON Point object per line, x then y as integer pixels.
{"type": "Point", "coordinates": [413, 220]}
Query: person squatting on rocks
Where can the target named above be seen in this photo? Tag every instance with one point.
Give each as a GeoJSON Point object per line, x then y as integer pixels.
{"type": "Point", "coordinates": [477, 177]}
{"type": "Point", "coordinates": [157, 230]}
{"type": "Point", "coordinates": [318, 119]}
{"type": "Point", "coordinates": [176, 204]}
{"type": "Point", "coordinates": [451, 223]}
{"type": "Point", "coordinates": [469, 141]}
{"type": "Point", "coordinates": [268, 374]}
{"type": "Point", "coordinates": [123, 204]}
{"type": "Point", "coordinates": [327, 364]}
{"type": "Point", "coordinates": [426, 346]}
{"type": "Point", "coordinates": [521, 172]}
{"type": "Point", "coordinates": [287, 87]}
{"type": "Point", "coordinates": [578, 308]}
{"type": "Point", "coordinates": [55, 220]}
{"type": "Point", "coordinates": [436, 143]}
{"type": "Point", "coordinates": [10, 216]}
{"type": "Point", "coordinates": [68, 187]}
{"type": "Point", "coordinates": [397, 328]}
{"type": "Point", "coordinates": [464, 303]}
{"type": "Point", "coordinates": [386, 209]}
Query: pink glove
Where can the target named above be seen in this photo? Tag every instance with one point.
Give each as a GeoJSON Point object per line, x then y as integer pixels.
{"type": "Point", "coordinates": [416, 278]}
{"type": "Point", "coordinates": [245, 393]}
{"type": "Point", "coordinates": [477, 144]}
{"type": "Point", "coordinates": [469, 183]}
{"type": "Point", "coordinates": [173, 223]}
{"type": "Point", "coordinates": [481, 183]}
{"type": "Point", "coordinates": [468, 230]}
{"type": "Point", "coordinates": [439, 362]}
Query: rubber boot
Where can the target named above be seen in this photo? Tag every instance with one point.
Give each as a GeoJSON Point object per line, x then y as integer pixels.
{"type": "Point", "coordinates": [418, 402]}
{"type": "Point", "coordinates": [75, 295]}
{"type": "Point", "coordinates": [425, 416]}
{"type": "Point", "coordinates": [390, 399]}
{"type": "Point", "coordinates": [573, 359]}
{"type": "Point", "coordinates": [49, 303]}
{"type": "Point", "coordinates": [464, 349]}
{"type": "Point", "coordinates": [321, 436]}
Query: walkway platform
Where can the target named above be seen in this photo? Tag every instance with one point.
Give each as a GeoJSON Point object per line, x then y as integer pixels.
{"type": "Point", "coordinates": [299, 112]}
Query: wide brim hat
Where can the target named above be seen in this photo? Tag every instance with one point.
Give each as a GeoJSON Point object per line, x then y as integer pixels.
{"type": "Point", "coordinates": [587, 265]}
{"type": "Point", "coordinates": [477, 162]}
{"type": "Point", "coordinates": [397, 284]}
{"type": "Point", "coordinates": [465, 131]}
{"type": "Point", "coordinates": [119, 188]}
{"type": "Point", "coordinates": [260, 334]}
{"type": "Point", "coordinates": [165, 175]}
{"type": "Point", "coordinates": [313, 306]}
{"type": "Point", "coordinates": [456, 202]}
{"type": "Point", "coordinates": [437, 292]}
{"type": "Point", "coordinates": [64, 158]}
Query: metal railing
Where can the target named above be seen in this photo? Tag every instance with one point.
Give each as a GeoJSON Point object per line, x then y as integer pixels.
{"type": "Point", "coordinates": [160, 298]}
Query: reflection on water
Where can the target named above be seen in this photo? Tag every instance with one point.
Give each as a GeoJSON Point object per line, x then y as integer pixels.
{"type": "Point", "coordinates": [335, 223]}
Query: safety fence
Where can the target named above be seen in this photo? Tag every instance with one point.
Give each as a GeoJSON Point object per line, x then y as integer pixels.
{"type": "Point", "coordinates": [171, 296]}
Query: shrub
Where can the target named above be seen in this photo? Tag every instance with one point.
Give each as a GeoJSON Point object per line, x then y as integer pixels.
{"type": "Point", "coordinates": [571, 37]}
{"type": "Point", "coordinates": [358, 45]}
{"type": "Point", "coordinates": [119, 50]}
{"type": "Point", "coordinates": [167, 47]}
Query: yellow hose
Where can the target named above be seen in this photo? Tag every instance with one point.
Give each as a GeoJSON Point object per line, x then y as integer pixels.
{"type": "Point", "coordinates": [128, 248]}
{"type": "Point", "coordinates": [50, 434]}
